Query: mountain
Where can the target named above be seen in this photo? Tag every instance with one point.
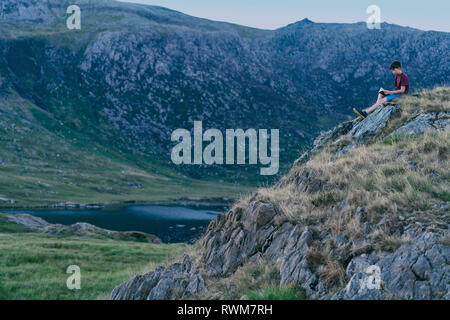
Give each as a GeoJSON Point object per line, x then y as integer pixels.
{"type": "Point", "coordinates": [362, 215]}
{"type": "Point", "coordinates": [112, 93]}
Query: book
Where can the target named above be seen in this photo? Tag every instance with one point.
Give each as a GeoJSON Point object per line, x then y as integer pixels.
{"type": "Point", "coordinates": [381, 91]}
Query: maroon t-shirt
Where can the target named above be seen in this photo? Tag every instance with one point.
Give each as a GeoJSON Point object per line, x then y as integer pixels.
{"type": "Point", "coordinates": [402, 81]}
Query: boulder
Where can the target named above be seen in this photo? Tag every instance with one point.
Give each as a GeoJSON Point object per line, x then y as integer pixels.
{"type": "Point", "coordinates": [371, 126]}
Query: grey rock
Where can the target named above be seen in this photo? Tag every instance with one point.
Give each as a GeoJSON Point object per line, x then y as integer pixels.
{"type": "Point", "coordinates": [357, 289]}
{"type": "Point", "coordinates": [228, 244]}
{"type": "Point", "coordinates": [177, 281]}
{"type": "Point", "coordinates": [358, 265]}
{"type": "Point", "coordinates": [419, 270]}
{"type": "Point", "coordinates": [325, 138]}
{"type": "Point", "coordinates": [357, 131]}
{"type": "Point", "coordinates": [425, 122]}
{"type": "Point", "coordinates": [28, 220]}
{"type": "Point", "coordinates": [372, 125]}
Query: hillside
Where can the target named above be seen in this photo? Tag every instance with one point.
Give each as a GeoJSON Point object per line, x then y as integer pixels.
{"type": "Point", "coordinates": [370, 195]}
{"type": "Point", "coordinates": [79, 106]}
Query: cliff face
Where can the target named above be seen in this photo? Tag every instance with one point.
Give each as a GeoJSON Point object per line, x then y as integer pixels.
{"type": "Point", "coordinates": [363, 215]}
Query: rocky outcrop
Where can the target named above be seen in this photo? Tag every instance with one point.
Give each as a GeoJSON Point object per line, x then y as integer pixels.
{"type": "Point", "coordinates": [424, 122]}
{"type": "Point", "coordinates": [32, 222]}
{"type": "Point", "coordinates": [81, 229]}
{"type": "Point", "coordinates": [180, 280]}
{"type": "Point", "coordinates": [371, 126]}
{"type": "Point", "coordinates": [419, 268]}
{"type": "Point", "coordinates": [356, 132]}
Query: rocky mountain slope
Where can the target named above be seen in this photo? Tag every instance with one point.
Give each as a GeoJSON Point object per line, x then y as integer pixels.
{"type": "Point", "coordinates": [363, 215]}
{"type": "Point", "coordinates": [134, 73]}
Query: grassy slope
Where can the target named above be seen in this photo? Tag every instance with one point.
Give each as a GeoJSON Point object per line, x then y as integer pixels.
{"type": "Point", "coordinates": [39, 166]}
{"type": "Point", "coordinates": [33, 265]}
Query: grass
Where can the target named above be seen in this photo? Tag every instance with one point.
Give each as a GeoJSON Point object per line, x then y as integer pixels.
{"type": "Point", "coordinates": [33, 266]}
{"type": "Point", "coordinates": [276, 293]}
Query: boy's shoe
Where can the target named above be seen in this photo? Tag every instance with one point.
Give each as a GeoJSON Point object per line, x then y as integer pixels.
{"type": "Point", "coordinates": [360, 113]}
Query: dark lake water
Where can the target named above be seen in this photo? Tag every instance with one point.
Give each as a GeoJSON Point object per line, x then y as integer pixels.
{"type": "Point", "coordinates": [169, 223]}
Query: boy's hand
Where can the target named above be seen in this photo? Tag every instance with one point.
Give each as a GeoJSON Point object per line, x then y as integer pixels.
{"type": "Point", "coordinates": [387, 92]}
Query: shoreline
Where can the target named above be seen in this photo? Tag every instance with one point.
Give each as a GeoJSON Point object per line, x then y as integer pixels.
{"type": "Point", "coordinates": [183, 201]}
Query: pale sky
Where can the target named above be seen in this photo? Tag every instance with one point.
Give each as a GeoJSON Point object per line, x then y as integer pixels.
{"type": "Point", "coordinates": [272, 14]}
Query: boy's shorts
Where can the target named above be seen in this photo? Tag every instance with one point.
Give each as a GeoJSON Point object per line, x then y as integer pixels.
{"type": "Point", "coordinates": [393, 96]}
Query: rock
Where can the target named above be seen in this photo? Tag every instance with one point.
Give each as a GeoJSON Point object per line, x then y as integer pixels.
{"type": "Point", "coordinates": [226, 247]}
{"type": "Point", "coordinates": [196, 285]}
{"type": "Point", "coordinates": [357, 289]}
{"type": "Point", "coordinates": [325, 138]}
{"type": "Point", "coordinates": [81, 229]}
{"type": "Point", "coordinates": [424, 122]}
{"type": "Point", "coordinates": [372, 125]}
{"type": "Point", "coordinates": [340, 240]}
{"type": "Point", "coordinates": [357, 131]}
{"type": "Point", "coordinates": [360, 264]}
{"type": "Point", "coordinates": [28, 220]}
{"type": "Point", "coordinates": [177, 281]}
{"type": "Point", "coordinates": [420, 270]}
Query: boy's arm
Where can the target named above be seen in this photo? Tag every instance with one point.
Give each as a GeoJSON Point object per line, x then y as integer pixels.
{"type": "Point", "coordinates": [402, 90]}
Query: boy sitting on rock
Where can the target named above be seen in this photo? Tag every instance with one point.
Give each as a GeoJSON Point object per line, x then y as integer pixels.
{"type": "Point", "coordinates": [401, 84]}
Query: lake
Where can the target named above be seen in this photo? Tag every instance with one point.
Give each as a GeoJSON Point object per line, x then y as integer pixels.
{"type": "Point", "coordinates": [169, 223]}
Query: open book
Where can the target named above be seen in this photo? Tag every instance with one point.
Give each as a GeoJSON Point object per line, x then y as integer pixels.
{"type": "Point", "coordinates": [381, 91]}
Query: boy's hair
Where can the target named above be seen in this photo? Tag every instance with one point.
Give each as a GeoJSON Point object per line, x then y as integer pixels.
{"type": "Point", "coordinates": [395, 65]}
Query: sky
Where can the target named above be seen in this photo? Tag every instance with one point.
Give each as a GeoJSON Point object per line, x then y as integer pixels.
{"type": "Point", "coordinates": [272, 14]}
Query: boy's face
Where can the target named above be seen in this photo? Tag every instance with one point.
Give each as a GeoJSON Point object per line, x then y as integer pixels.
{"type": "Point", "coordinates": [396, 72]}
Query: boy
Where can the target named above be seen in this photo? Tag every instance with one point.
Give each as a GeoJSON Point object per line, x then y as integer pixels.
{"type": "Point", "coordinates": [401, 84]}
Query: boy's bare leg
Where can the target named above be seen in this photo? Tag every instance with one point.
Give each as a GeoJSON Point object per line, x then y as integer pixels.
{"type": "Point", "coordinates": [381, 99]}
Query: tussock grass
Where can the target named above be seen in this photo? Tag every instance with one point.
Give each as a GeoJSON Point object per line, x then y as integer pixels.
{"type": "Point", "coordinates": [333, 274]}
{"type": "Point", "coordinates": [276, 293]}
